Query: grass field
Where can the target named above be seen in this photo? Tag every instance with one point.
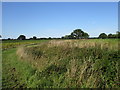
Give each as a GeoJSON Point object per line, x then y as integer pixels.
{"type": "Point", "coordinates": [15, 43]}
{"type": "Point", "coordinates": [86, 63]}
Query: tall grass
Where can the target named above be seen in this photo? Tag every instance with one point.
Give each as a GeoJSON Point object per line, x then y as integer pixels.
{"type": "Point", "coordinates": [74, 63]}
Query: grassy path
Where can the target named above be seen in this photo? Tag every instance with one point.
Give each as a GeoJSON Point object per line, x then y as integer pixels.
{"type": "Point", "coordinates": [15, 71]}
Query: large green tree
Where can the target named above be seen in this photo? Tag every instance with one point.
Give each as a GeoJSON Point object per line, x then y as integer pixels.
{"type": "Point", "coordinates": [78, 33]}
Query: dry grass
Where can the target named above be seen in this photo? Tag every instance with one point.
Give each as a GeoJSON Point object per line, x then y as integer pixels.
{"type": "Point", "coordinates": [84, 43]}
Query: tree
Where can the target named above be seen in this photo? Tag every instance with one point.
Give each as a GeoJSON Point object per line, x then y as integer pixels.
{"type": "Point", "coordinates": [110, 35]}
{"type": "Point", "coordinates": [49, 38]}
{"type": "Point", "coordinates": [21, 37]}
{"type": "Point", "coordinates": [103, 36]}
{"type": "Point", "coordinates": [9, 39]}
{"type": "Point", "coordinates": [34, 37]}
{"type": "Point", "coordinates": [78, 33]}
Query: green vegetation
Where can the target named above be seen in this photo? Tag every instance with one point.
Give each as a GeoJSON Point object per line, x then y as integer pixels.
{"type": "Point", "coordinates": [84, 63]}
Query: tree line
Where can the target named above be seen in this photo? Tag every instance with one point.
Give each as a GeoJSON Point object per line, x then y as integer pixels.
{"type": "Point", "coordinates": [76, 34]}
{"type": "Point", "coordinates": [103, 35]}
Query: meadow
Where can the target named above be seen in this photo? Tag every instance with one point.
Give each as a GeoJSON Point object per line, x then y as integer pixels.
{"type": "Point", "coordinates": [83, 63]}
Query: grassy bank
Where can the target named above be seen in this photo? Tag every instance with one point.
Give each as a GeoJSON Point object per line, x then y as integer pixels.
{"type": "Point", "coordinates": [63, 64]}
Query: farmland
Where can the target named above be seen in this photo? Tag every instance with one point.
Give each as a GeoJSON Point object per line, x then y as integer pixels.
{"type": "Point", "coordinates": [80, 63]}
